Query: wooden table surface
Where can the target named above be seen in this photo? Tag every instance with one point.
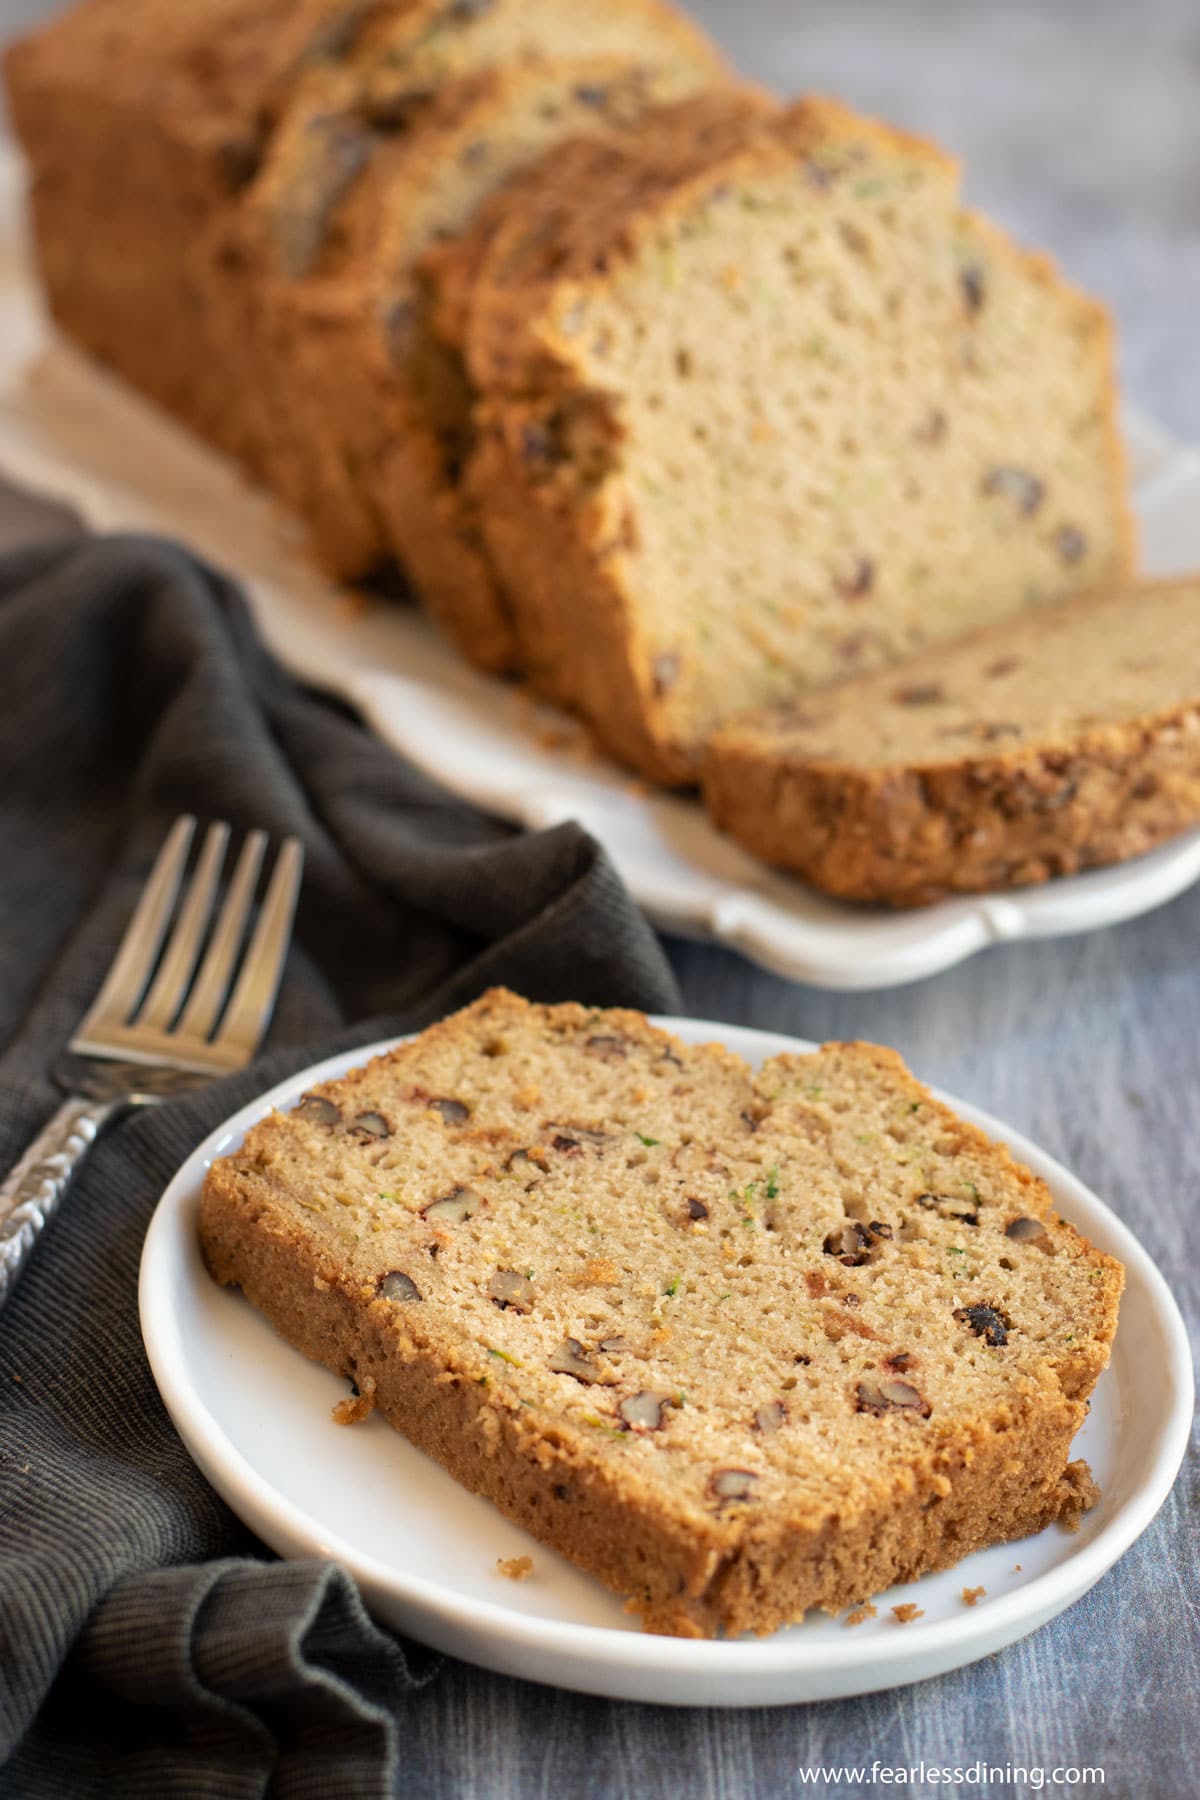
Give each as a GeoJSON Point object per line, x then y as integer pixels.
{"type": "Point", "coordinates": [1081, 126]}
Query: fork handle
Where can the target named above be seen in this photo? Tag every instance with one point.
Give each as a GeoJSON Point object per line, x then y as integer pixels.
{"type": "Point", "coordinates": [30, 1194]}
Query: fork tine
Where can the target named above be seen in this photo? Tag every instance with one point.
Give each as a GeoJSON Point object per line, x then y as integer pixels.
{"type": "Point", "coordinates": [212, 983]}
{"type": "Point", "coordinates": [179, 958]}
{"type": "Point", "coordinates": [254, 996]}
{"type": "Point", "coordinates": [139, 947]}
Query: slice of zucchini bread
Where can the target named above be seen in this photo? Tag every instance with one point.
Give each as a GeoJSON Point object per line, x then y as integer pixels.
{"type": "Point", "coordinates": [762, 406]}
{"type": "Point", "coordinates": [1034, 748]}
{"type": "Point", "coordinates": [515, 118]}
{"type": "Point", "coordinates": [739, 1344]}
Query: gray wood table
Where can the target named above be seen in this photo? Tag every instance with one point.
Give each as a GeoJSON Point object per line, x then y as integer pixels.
{"type": "Point", "coordinates": [1081, 127]}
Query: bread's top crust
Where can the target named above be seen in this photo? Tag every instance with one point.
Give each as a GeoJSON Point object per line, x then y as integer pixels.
{"type": "Point", "coordinates": [557, 237]}
{"type": "Point", "coordinates": [206, 61]}
{"type": "Point", "coordinates": [221, 69]}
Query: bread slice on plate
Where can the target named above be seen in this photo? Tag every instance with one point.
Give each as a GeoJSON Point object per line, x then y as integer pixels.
{"type": "Point", "coordinates": [762, 406]}
{"type": "Point", "coordinates": [738, 1343]}
{"type": "Point", "coordinates": [1056, 742]}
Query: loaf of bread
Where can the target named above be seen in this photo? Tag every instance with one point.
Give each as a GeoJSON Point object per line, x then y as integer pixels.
{"type": "Point", "coordinates": [762, 407]}
{"type": "Point", "coordinates": [681, 403]}
{"type": "Point", "coordinates": [739, 1344]}
{"type": "Point", "coordinates": [141, 121]}
{"type": "Point", "coordinates": [327, 309]}
{"type": "Point", "coordinates": [1052, 743]}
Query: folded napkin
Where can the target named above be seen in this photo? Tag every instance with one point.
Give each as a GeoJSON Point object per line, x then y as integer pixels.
{"type": "Point", "coordinates": [148, 1643]}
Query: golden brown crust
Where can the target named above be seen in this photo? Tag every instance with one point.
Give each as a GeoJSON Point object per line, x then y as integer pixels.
{"type": "Point", "coordinates": [559, 593]}
{"type": "Point", "coordinates": [910, 838]}
{"type": "Point", "coordinates": [1061, 801]}
{"type": "Point", "coordinates": [640, 1517]}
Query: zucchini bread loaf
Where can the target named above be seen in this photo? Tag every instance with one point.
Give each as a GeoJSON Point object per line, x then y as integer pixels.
{"type": "Point", "coordinates": [761, 406]}
{"type": "Point", "coordinates": [1046, 745]}
{"type": "Point", "coordinates": [141, 121]}
{"type": "Point", "coordinates": [327, 238]}
{"type": "Point", "coordinates": [740, 1344]}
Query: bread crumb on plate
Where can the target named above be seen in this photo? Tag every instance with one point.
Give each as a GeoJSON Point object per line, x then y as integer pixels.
{"type": "Point", "coordinates": [514, 1568]}
{"type": "Point", "coordinates": [356, 1407]}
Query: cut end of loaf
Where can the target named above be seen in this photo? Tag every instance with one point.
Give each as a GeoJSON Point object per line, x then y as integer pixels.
{"type": "Point", "coordinates": [789, 411]}
{"type": "Point", "coordinates": [1059, 742]}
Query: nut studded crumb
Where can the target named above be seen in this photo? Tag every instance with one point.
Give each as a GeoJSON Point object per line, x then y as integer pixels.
{"type": "Point", "coordinates": [1047, 744]}
{"type": "Point", "coordinates": [515, 1568]}
{"type": "Point", "coordinates": [972, 1596]}
{"type": "Point", "coordinates": [740, 1343]}
{"type": "Point", "coordinates": [861, 1614]}
{"type": "Point", "coordinates": [905, 1614]}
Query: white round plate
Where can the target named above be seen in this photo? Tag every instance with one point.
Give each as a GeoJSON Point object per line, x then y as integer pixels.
{"type": "Point", "coordinates": [72, 431]}
{"type": "Point", "coordinates": [256, 1417]}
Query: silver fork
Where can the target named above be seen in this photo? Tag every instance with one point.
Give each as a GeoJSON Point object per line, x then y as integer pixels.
{"type": "Point", "coordinates": [160, 1026]}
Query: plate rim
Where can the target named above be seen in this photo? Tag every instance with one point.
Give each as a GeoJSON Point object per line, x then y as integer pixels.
{"type": "Point", "coordinates": [604, 1645]}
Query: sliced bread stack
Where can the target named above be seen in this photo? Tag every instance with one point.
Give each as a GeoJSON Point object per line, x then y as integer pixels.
{"type": "Point", "coordinates": [760, 407]}
{"type": "Point", "coordinates": [327, 311]}
{"type": "Point", "coordinates": [145, 123]}
{"type": "Point", "coordinates": [738, 1343]}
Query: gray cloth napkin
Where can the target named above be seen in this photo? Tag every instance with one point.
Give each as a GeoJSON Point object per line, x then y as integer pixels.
{"type": "Point", "coordinates": [148, 1643]}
